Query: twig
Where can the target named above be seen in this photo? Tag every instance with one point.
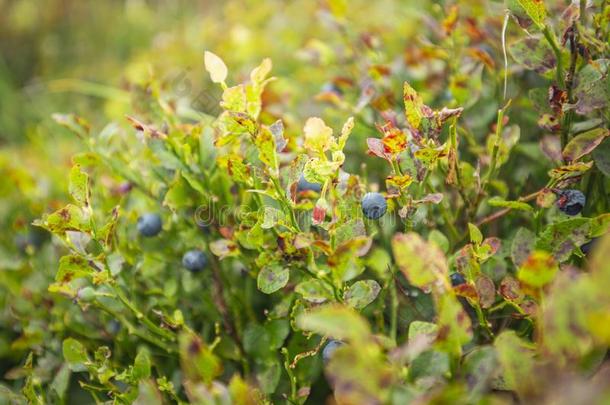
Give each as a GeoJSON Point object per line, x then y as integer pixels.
{"type": "Point", "coordinates": [502, 212]}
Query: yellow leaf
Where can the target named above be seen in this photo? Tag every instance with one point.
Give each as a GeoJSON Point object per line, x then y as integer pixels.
{"type": "Point", "coordinates": [413, 106]}
{"type": "Point", "coordinates": [318, 136]}
{"type": "Point", "coordinates": [215, 67]}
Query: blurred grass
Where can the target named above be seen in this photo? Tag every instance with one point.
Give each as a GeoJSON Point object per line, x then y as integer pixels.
{"type": "Point", "coordinates": [82, 55]}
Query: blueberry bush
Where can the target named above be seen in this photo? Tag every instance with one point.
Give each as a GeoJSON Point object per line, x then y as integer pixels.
{"type": "Point", "coordinates": [430, 226]}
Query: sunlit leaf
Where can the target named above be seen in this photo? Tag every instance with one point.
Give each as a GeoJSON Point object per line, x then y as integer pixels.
{"type": "Point", "coordinates": [421, 262]}
{"type": "Point", "coordinates": [538, 269]}
{"type": "Point", "coordinates": [215, 67]}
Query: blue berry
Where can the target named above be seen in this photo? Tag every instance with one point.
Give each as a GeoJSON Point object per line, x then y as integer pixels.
{"type": "Point", "coordinates": [330, 348]}
{"type": "Point", "coordinates": [113, 327]}
{"type": "Point", "coordinates": [457, 279]}
{"type": "Point", "coordinates": [373, 205]}
{"type": "Point", "coordinates": [587, 247]}
{"type": "Point", "coordinates": [304, 185]}
{"type": "Point", "coordinates": [332, 88]}
{"type": "Point", "coordinates": [149, 225]}
{"type": "Point", "coordinates": [570, 202]}
{"type": "Point", "coordinates": [194, 260]}
{"type": "Point", "coordinates": [33, 238]}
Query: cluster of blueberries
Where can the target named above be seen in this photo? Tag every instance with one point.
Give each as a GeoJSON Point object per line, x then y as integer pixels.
{"type": "Point", "coordinates": [374, 206]}
{"type": "Point", "coordinates": [150, 225]}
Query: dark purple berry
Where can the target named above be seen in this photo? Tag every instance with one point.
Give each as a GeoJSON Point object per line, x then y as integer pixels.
{"type": "Point", "coordinates": [329, 349]}
{"type": "Point", "coordinates": [586, 248]}
{"type": "Point", "coordinates": [149, 225]}
{"type": "Point", "coordinates": [457, 279]}
{"type": "Point", "coordinates": [304, 185]}
{"type": "Point", "coordinates": [570, 201]}
{"type": "Point", "coordinates": [194, 260]}
{"type": "Point", "coordinates": [374, 205]}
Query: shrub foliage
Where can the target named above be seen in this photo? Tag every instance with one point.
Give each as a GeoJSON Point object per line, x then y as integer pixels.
{"type": "Point", "coordinates": [474, 272]}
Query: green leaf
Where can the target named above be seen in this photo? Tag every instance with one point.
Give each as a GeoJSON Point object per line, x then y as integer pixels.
{"type": "Point", "coordinates": [571, 170]}
{"type": "Point", "coordinates": [437, 237]}
{"type": "Point", "coordinates": [455, 324]}
{"type": "Point", "coordinates": [61, 381]}
{"type": "Point", "coordinates": [141, 365]}
{"type": "Point", "coordinates": [314, 290]}
{"type": "Point", "coordinates": [561, 238]}
{"type": "Point", "coordinates": [599, 226]}
{"type": "Point", "coordinates": [278, 330]}
{"type": "Point", "coordinates": [75, 354]}
{"type": "Point", "coordinates": [592, 87]}
{"type": "Point", "coordinates": [417, 328]}
{"type": "Point", "coordinates": [148, 394]}
{"type": "Point", "coordinates": [534, 9]}
{"type": "Point", "coordinates": [197, 360]}
{"type": "Point", "coordinates": [516, 359]}
{"type": "Point", "coordinates": [413, 106]}
{"type": "Point", "coordinates": [271, 217]}
{"type": "Point", "coordinates": [534, 53]}
{"type": "Point", "coordinates": [257, 341]}
{"type": "Point", "coordinates": [215, 67]}
{"type": "Point", "coordinates": [318, 170]}
{"type": "Point", "coordinates": [72, 267]}
{"type": "Point", "coordinates": [515, 205]}
{"type": "Point", "coordinates": [522, 245]}
{"type": "Point", "coordinates": [361, 293]}
{"type": "Point", "coordinates": [79, 186]}
{"type": "Point", "coordinates": [431, 363]}
{"type": "Point", "coordinates": [538, 269]}
{"type": "Point", "coordinates": [601, 156]}
{"type": "Point", "coordinates": [476, 236]}
{"type": "Point", "coordinates": [268, 376]}
{"type": "Point", "coordinates": [480, 366]}
{"type": "Point", "coordinates": [234, 99]}
{"type": "Point", "coordinates": [338, 322]}
{"type": "Point", "coordinates": [69, 218]}
{"type": "Point", "coordinates": [423, 263]}
{"type": "Point", "coordinates": [265, 143]}
{"type": "Point", "coordinates": [260, 73]}
{"type": "Point", "coordinates": [224, 248]}
{"type": "Point", "coordinates": [584, 143]}
{"type": "Point", "coordinates": [272, 278]}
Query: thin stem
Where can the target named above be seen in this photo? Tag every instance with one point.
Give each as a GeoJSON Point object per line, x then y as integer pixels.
{"type": "Point", "coordinates": [393, 309]}
{"type": "Point", "coordinates": [496, 147]}
{"type": "Point", "coordinates": [133, 330]}
{"type": "Point", "coordinates": [567, 120]}
{"type": "Point", "coordinates": [164, 333]}
{"type": "Point", "coordinates": [550, 37]}
{"type": "Point", "coordinates": [502, 212]}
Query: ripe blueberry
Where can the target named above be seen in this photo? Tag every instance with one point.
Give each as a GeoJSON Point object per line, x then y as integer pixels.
{"type": "Point", "coordinates": [373, 205]}
{"type": "Point", "coordinates": [329, 349]}
{"type": "Point", "coordinates": [304, 185]}
{"type": "Point", "coordinates": [570, 201]}
{"type": "Point", "coordinates": [149, 225]}
{"type": "Point", "coordinates": [331, 87]}
{"type": "Point", "coordinates": [586, 248]}
{"type": "Point", "coordinates": [194, 260]}
{"type": "Point", "coordinates": [113, 327]}
{"type": "Point", "coordinates": [457, 279]}
{"type": "Point", "coordinates": [34, 238]}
